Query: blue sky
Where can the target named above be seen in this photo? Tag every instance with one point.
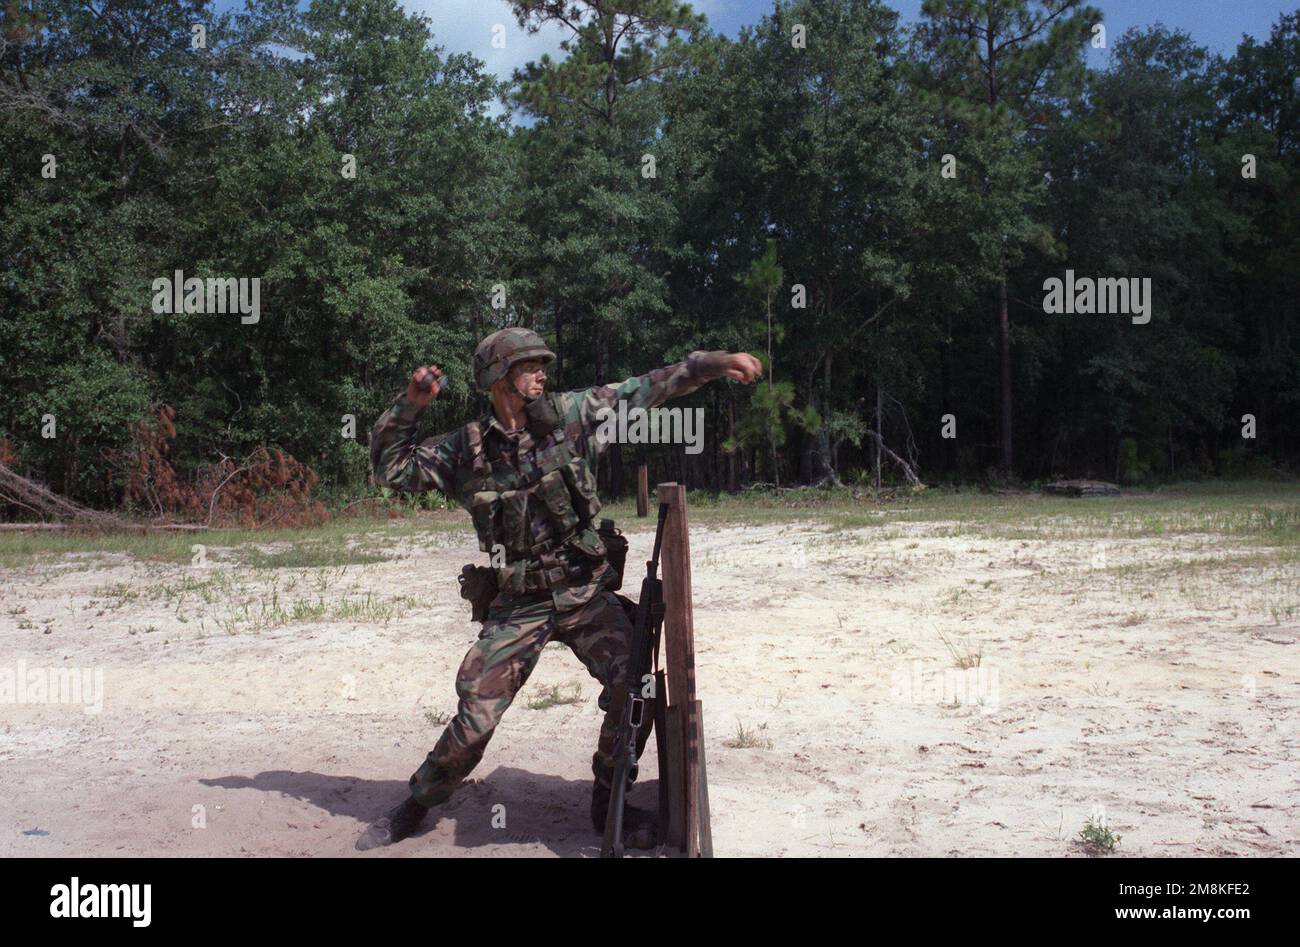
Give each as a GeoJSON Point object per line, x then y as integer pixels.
{"type": "Point", "coordinates": [466, 25]}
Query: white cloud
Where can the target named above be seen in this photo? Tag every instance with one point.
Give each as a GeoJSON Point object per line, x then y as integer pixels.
{"type": "Point", "coordinates": [465, 26]}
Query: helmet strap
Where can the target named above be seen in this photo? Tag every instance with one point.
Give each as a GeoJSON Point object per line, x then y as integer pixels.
{"type": "Point", "coordinates": [514, 386]}
{"type": "Point", "coordinates": [514, 383]}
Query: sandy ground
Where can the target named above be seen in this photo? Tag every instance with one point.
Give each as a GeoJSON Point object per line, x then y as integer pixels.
{"type": "Point", "coordinates": [1168, 704]}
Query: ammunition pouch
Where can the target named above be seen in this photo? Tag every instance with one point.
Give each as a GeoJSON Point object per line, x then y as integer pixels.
{"type": "Point", "coordinates": [485, 511]}
{"type": "Point", "coordinates": [515, 534]}
{"type": "Point", "coordinates": [554, 492]}
{"type": "Point", "coordinates": [582, 488]}
{"type": "Point", "coordinates": [560, 567]}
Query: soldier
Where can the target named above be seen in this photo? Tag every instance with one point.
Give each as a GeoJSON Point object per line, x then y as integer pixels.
{"type": "Point", "coordinates": [526, 473]}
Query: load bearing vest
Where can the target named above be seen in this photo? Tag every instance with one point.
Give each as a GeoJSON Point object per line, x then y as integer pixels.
{"type": "Point", "coordinates": [552, 477]}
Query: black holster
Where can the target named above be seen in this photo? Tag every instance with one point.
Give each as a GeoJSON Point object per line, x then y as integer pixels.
{"type": "Point", "coordinates": [615, 552]}
{"type": "Point", "coordinates": [478, 585]}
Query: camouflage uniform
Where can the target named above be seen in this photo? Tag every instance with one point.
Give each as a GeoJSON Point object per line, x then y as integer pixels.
{"type": "Point", "coordinates": [555, 583]}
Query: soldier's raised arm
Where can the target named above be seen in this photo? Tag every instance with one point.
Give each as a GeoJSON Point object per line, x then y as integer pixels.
{"type": "Point", "coordinates": [672, 381]}
{"type": "Point", "coordinates": [398, 461]}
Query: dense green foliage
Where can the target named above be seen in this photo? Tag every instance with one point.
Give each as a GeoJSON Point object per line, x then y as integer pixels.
{"type": "Point", "coordinates": [671, 190]}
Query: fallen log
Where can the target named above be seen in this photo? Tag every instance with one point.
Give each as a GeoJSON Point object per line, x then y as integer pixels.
{"type": "Point", "coordinates": [40, 499]}
{"type": "Point", "coordinates": [1082, 488]}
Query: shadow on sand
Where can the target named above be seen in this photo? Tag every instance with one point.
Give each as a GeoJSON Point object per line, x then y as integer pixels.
{"type": "Point", "coordinates": [549, 810]}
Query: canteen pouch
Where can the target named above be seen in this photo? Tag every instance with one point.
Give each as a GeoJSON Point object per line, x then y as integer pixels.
{"type": "Point", "coordinates": [588, 543]}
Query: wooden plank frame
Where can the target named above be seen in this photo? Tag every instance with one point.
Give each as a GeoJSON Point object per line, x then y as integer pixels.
{"type": "Point", "coordinates": [689, 825]}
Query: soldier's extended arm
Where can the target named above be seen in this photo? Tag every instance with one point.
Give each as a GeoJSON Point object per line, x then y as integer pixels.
{"type": "Point", "coordinates": [402, 464]}
{"type": "Point", "coordinates": [655, 386]}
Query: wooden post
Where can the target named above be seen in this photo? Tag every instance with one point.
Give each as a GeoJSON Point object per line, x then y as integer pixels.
{"type": "Point", "coordinates": [679, 640]}
{"type": "Point", "coordinates": [676, 778]}
{"type": "Point", "coordinates": [642, 490]}
{"type": "Point", "coordinates": [664, 757]}
{"type": "Point", "coordinates": [706, 821]}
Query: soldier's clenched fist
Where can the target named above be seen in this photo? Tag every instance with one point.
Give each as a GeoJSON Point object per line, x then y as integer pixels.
{"type": "Point", "coordinates": [425, 385]}
{"type": "Point", "coordinates": [743, 367]}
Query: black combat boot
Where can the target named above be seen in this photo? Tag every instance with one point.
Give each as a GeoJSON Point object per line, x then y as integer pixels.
{"type": "Point", "coordinates": [640, 826]}
{"type": "Point", "coordinates": [400, 823]}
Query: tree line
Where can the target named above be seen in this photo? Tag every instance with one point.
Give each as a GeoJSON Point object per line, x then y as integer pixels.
{"type": "Point", "coordinates": [873, 209]}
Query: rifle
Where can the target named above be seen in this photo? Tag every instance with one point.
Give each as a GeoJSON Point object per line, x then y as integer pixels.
{"type": "Point", "coordinates": [645, 637]}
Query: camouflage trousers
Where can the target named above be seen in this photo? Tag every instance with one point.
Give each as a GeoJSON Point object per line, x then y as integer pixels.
{"type": "Point", "coordinates": [500, 662]}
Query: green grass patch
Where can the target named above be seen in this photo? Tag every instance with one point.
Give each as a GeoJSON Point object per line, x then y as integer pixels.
{"type": "Point", "coordinates": [1256, 511]}
{"type": "Point", "coordinates": [556, 695]}
{"type": "Point", "coordinates": [372, 536]}
{"type": "Point", "coordinates": [269, 610]}
{"type": "Point", "coordinates": [310, 556]}
{"type": "Point", "coordinates": [1265, 513]}
{"type": "Point", "coordinates": [748, 738]}
{"type": "Point", "coordinates": [1096, 838]}
{"type": "Point", "coordinates": [964, 654]}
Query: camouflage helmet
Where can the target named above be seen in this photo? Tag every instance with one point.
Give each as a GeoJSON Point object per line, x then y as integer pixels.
{"type": "Point", "coordinates": [502, 349]}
